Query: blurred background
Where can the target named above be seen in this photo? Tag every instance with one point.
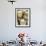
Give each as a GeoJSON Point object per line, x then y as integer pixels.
{"type": "Point", "coordinates": [37, 31]}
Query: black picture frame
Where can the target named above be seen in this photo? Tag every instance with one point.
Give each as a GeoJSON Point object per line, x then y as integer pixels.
{"type": "Point", "coordinates": [29, 17]}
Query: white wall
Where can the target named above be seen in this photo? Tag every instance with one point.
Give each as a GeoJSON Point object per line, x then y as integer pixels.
{"type": "Point", "coordinates": [8, 31]}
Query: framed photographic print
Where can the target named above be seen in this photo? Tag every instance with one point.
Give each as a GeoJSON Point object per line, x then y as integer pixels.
{"type": "Point", "coordinates": [22, 17]}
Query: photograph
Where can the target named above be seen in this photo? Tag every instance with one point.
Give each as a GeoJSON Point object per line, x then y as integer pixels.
{"type": "Point", "coordinates": [22, 22]}
{"type": "Point", "coordinates": [22, 17]}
